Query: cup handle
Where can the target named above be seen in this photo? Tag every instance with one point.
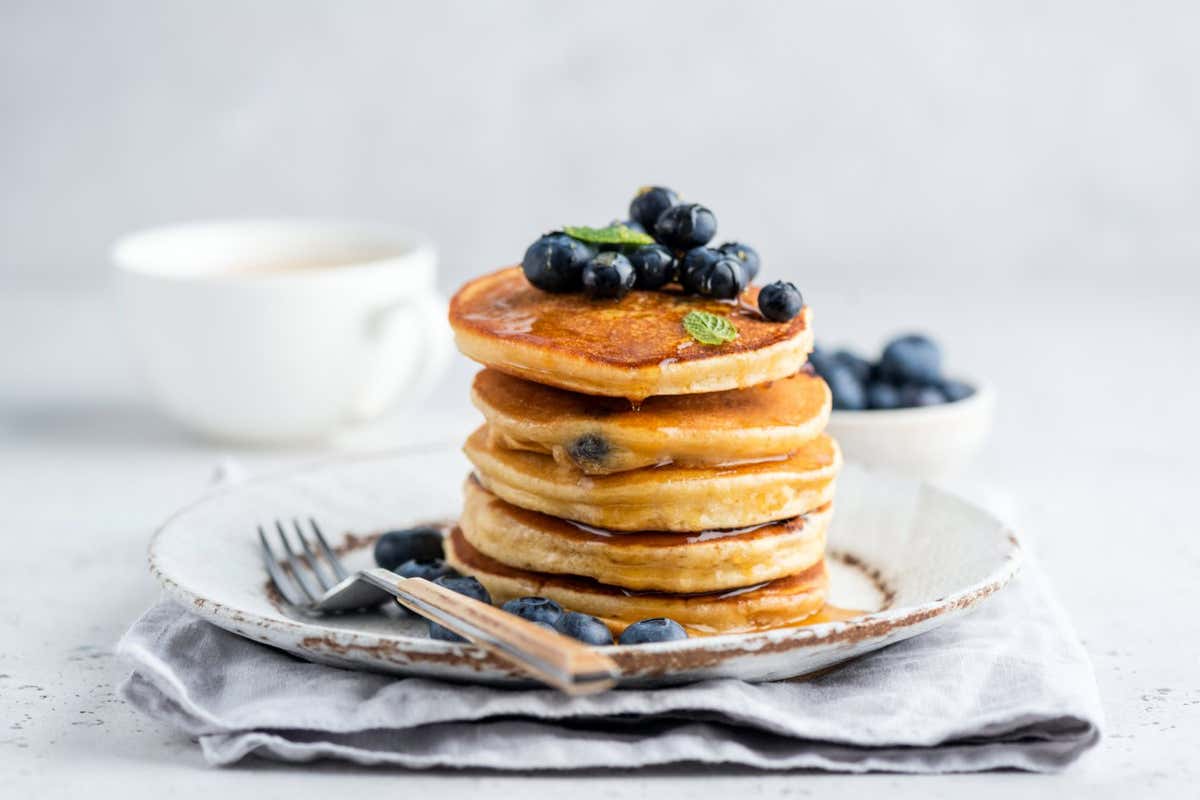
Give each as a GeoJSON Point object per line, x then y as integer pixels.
{"type": "Point", "coordinates": [430, 340]}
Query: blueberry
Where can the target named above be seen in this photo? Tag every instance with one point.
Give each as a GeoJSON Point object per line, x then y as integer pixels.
{"type": "Point", "coordinates": [466, 585]}
{"type": "Point", "coordinates": [655, 266]}
{"type": "Point", "coordinates": [535, 609]}
{"type": "Point", "coordinates": [822, 361]}
{"type": "Point", "coordinates": [725, 279]}
{"type": "Point", "coordinates": [855, 363]}
{"type": "Point", "coordinates": [745, 254]}
{"type": "Point", "coordinates": [881, 395]}
{"type": "Point", "coordinates": [685, 226]}
{"type": "Point", "coordinates": [429, 569]}
{"type": "Point", "coordinates": [554, 263]}
{"type": "Point", "coordinates": [694, 268]}
{"type": "Point", "coordinates": [659, 629]}
{"type": "Point", "coordinates": [650, 203]}
{"type": "Point", "coordinates": [608, 275]}
{"type": "Point", "coordinates": [848, 394]}
{"type": "Point", "coordinates": [780, 301]}
{"type": "Point", "coordinates": [911, 359]}
{"type": "Point", "coordinates": [956, 390]}
{"type": "Point", "coordinates": [396, 547]}
{"type": "Point", "coordinates": [914, 395]}
{"type": "Point", "coordinates": [442, 633]}
{"type": "Point", "coordinates": [586, 629]}
{"type": "Point", "coordinates": [590, 448]}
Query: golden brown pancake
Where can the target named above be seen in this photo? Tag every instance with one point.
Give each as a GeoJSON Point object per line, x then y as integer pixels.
{"type": "Point", "coordinates": [653, 561]}
{"type": "Point", "coordinates": [634, 347]}
{"type": "Point", "coordinates": [602, 435]}
{"type": "Point", "coordinates": [778, 604]}
{"type": "Point", "coordinates": [667, 498]}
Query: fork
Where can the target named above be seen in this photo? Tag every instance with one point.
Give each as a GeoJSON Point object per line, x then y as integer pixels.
{"type": "Point", "coordinates": [329, 588]}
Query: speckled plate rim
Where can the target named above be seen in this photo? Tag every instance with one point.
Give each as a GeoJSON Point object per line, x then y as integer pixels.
{"type": "Point", "coordinates": [658, 660]}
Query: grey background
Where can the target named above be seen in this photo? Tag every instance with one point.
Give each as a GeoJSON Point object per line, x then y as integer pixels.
{"type": "Point", "coordinates": [859, 145]}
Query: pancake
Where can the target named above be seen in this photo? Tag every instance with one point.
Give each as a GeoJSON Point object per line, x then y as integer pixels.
{"type": "Point", "coordinates": [602, 435]}
{"type": "Point", "coordinates": [778, 604]}
{"type": "Point", "coordinates": [651, 561]}
{"type": "Point", "coordinates": [667, 498]}
{"type": "Point", "coordinates": [634, 347]}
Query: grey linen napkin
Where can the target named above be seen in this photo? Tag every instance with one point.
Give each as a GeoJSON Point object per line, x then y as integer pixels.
{"type": "Point", "coordinates": [1007, 687]}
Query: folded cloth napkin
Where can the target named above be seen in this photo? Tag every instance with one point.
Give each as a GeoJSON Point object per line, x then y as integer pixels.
{"type": "Point", "coordinates": [1007, 687]}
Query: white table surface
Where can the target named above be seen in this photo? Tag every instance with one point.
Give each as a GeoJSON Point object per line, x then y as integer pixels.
{"type": "Point", "coordinates": [1096, 442]}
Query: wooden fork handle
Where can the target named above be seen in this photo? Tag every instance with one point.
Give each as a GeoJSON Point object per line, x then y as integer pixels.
{"type": "Point", "coordinates": [557, 660]}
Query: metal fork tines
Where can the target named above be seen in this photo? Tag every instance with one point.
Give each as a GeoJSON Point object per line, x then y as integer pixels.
{"type": "Point", "coordinates": [305, 581]}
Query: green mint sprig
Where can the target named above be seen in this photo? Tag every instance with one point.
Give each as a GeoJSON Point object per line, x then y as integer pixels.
{"type": "Point", "coordinates": [708, 328]}
{"type": "Point", "coordinates": [613, 234]}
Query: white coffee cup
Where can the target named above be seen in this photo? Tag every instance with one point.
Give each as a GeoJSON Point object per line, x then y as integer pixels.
{"type": "Point", "coordinates": [278, 331]}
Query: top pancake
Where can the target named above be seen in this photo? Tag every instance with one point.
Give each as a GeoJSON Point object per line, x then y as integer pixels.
{"type": "Point", "coordinates": [634, 347]}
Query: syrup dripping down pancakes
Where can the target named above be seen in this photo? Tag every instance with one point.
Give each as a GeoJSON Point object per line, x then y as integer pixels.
{"type": "Point", "coordinates": [628, 471]}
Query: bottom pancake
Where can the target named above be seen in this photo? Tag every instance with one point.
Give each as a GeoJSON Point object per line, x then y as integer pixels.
{"type": "Point", "coordinates": [651, 561]}
{"type": "Point", "coordinates": [777, 604]}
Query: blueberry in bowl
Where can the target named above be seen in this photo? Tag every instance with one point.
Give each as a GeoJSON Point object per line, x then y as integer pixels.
{"type": "Point", "coordinates": [901, 413]}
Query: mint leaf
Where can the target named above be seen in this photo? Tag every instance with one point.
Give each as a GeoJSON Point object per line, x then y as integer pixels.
{"type": "Point", "coordinates": [708, 328]}
{"type": "Point", "coordinates": [613, 234]}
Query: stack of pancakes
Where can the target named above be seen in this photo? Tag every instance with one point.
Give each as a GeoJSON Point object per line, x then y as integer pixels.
{"type": "Point", "coordinates": [628, 471]}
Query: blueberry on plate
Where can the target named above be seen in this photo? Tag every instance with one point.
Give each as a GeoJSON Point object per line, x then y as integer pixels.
{"type": "Point", "coordinates": [654, 266]}
{"type": "Point", "coordinates": [848, 393]}
{"type": "Point", "coordinates": [466, 585]}
{"type": "Point", "coordinates": [882, 396]}
{"type": "Point", "coordinates": [430, 569]}
{"type": "Point", "coordinates": [585, 628]}
{"type": "Point", "coordinates": [694, 267]}
{"type": "Point", "coordinates": [855, 363]}
{"type": "Point", "coordinates": [554, 263]}
{"type": "Point", "coordinates": [685, 226]}
{"type": "Point", "coordinates": [535, 609]}
{"type": "Point", "coordinates": [914, 395]}
{"type": "Point", "coordinates": [911, 359]}
{"type": "Point", "coordinates": [650, 203]}
{"type": "Point", "coordinates": [608, 275]}
{"type": "Point", "coordinates": [395, 547]}
{"type": "Point", "coordinates": [658, 629]}
{"type": "Point", "coordinates": [724, 280]}
{"type": "Point", "coordinates": [745, 254]}
{"type": "Point", "coordinates": [780, 301]}
{"type": "Point", "coordinates": [442, 633]}
{"type": "Point", "coordinates": [956, 390]}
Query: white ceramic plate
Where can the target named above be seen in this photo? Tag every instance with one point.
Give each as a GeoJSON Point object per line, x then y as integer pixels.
{"type": "Point", "coordinates": [912, 556]}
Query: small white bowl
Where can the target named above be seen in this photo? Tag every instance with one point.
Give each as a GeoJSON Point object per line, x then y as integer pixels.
{"type": "Point", "coordinates": [926, 443]}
